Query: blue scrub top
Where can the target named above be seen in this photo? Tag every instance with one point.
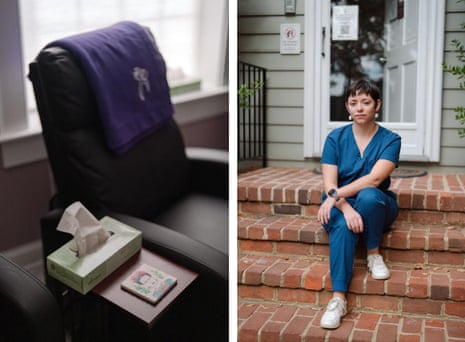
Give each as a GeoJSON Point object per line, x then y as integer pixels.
{"type": "Point", "coordinates": [340, 149]}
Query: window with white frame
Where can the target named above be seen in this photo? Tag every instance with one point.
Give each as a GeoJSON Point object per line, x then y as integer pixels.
{"type": "Point", "coordinates": [176, 24]}
{"type": "Point", "coordinates": [191, 34]}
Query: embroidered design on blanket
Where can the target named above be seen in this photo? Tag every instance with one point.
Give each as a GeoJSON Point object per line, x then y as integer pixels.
{"type": "Point", "coordinates": [141, 75]}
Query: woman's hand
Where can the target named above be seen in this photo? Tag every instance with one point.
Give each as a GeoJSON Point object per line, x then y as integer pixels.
{"type": "Point", "coordinates": [325, 210]}
{"type": "Point", "coordinates": [353, 219]}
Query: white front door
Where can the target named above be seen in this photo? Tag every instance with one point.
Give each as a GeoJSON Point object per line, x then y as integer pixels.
{"type": "Point", "coordinates": [395, 43]}
{"type": "Point", "coordinates": [400, 75]}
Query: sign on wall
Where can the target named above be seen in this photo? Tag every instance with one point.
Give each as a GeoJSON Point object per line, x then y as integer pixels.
{"type": "Point", "coordinates": [290, 39]}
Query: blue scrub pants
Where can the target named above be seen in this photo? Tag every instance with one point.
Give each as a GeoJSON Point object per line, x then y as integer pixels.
{"type": "Point", "coordinates": [378, 210]}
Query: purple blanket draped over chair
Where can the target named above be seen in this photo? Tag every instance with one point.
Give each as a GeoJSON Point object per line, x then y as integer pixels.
{"type": "Point", "coordinates": [128, 76]}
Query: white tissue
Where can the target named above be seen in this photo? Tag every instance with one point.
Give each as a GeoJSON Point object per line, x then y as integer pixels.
{"type": "Point", "coordinates": [86, 229]}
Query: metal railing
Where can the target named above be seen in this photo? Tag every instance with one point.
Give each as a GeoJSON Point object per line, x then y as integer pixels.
{"type": "Point", "coordinates": [251, 114]}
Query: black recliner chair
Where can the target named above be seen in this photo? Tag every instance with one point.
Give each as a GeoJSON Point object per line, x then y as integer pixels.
{"type": "Point", "coordinates": [176, 196]}
{"type": "Point", "coordinates": [28, 310]}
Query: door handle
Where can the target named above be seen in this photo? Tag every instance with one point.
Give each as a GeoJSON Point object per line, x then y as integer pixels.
{"type": "Point", "coordinates": [323, 39]}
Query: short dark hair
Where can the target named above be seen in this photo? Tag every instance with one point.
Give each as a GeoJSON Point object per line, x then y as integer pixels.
{"type": "Point", "coordinates": [363, 86]}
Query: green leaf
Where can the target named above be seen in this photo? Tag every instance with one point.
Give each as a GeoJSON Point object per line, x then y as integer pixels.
{"type": "Point", "coordinates": [459, 72]}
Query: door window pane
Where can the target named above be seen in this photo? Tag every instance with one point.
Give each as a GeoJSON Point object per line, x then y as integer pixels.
{"type": "Point", "coordinates": [361, 58]}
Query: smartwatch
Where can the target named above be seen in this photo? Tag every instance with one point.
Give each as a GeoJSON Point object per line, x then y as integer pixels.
{"type": "Point", "coordinates": [333, 193]}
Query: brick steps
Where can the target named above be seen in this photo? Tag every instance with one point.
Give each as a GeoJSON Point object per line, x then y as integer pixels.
{"type": "Point", "coordinates": [309, 211]}
{"type": "Point", "coordinates": [414, 243]}
{"type": "Point", "coordinates": [283, 271]}
{"type": "Point", "coordinates": [265, 321]}
{"type": "Point", "coordinates": [434, 198]}
{"type": "Point", "coordinates": [302, 280]}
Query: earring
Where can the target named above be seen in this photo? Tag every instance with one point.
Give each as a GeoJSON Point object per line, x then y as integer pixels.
{"type": "Point", "coordinates": [350, 117]}
{"type": "Point", "coordinates": [376, 115]}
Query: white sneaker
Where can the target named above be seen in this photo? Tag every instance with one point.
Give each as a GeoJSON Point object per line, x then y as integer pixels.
{"type": "Point", "coordinates": [377, 267]}
{"type": "Point", "coordinates": [336, 309]}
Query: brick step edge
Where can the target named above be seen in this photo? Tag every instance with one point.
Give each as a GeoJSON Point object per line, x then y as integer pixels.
{"type": "Point", "coordinates": [269, 277]}
{"type": "Point", "coordinates": [402, 235]}
{"type": "Point", "coordinates": [435, 192]}
{"type": "Point", "coordinates": [281, 322]}
{"type": "Point", "coordinates": [310, 211]}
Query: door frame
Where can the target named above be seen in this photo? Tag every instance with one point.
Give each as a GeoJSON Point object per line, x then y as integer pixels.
{"type": "Point", "coordinates": [429, 78]}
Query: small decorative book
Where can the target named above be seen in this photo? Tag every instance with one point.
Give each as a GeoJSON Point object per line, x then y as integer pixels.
{"type": "Point", "coordinates": [149, 283]}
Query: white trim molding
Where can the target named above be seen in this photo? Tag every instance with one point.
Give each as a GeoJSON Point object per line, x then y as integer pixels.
{"type": "Point", "coordinates": [316, 64]}
{"type": "Point", "coordinates": [430, 57]}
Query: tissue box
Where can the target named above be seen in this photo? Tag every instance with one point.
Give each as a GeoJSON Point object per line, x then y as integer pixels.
{"type": "Point", "coordinates": [83, 274]}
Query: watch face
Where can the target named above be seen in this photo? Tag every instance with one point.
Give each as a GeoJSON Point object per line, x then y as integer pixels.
{"type": "Point", "coordinates": [333, 193]}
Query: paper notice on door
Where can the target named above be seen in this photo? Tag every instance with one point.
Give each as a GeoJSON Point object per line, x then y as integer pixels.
{"type": "Point", "coordinates": [345, 22]}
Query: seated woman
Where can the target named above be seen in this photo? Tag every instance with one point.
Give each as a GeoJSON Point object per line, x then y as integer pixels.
{"type": "Point", "coordinates": [356, 164]}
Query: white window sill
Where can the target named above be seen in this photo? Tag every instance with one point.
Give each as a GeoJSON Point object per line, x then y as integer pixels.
{"type": "Point", "coordinates": [26, 145]}
{"type": "Point", "coordinates": [33, 128]}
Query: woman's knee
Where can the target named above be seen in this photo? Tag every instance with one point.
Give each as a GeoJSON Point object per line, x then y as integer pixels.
{"type": "Point", "coordinates": [342, 235]}
{"type": "Point", "coordinates": [370, 197]}
{"type": "Point", "coordinates": [376, 207]}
